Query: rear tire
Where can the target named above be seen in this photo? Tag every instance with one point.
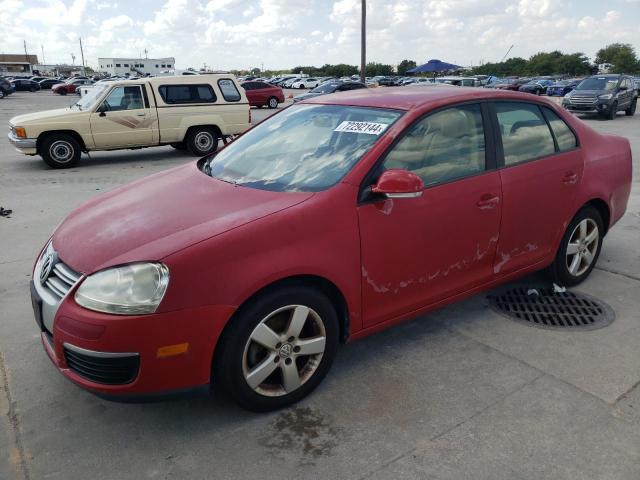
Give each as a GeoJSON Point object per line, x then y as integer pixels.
{"type": "Point", "coordinates": [629, 112]}
{"type": "Point", "coordinates": [202, 141]}
{"type": "Point", "coordinates": [273, 371]}
{"type": "Point", "coordinates": [60, 150]}
{"type": "Point", "coordinates": [272, 103]}
{"type": "Point", "coordinates": [579, 249]}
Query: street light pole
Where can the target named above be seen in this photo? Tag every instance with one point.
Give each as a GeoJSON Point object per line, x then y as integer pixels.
{"type": "Point", "coordinates": [363, 41]}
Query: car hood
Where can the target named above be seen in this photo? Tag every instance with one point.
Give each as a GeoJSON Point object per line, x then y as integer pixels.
{"type": "Point", "coordinates": [159, 215]}
{"type": "Point", "coordinates": [591, 92]}
{"type": "Point", "coordinates": [46, 115]}
{"type": "Point", "coordinates": [304, 96]}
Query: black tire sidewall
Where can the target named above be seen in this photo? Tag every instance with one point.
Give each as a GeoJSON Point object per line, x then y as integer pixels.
{"type": "Point", "coordinates": [44, 151]}
{"type": "Point", "coordinates": [191, 143]}
{"type": "Point", "coordinates": [228, 374]}
{"type": "Point", "coordinates": [559, 268]}
{"type": "Point", "coordinates": [613, 112]}
{"type": "Point", "coordinates": [632, 108]}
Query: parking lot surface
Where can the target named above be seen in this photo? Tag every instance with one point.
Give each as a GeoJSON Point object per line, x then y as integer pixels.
{"type": "Point", "coordinates": [460, 393]}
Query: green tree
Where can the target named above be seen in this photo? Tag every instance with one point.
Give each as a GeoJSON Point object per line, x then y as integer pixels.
{"type": "Point", "coordinates": [373, 69]}
{"type": "Point", "coordinates": [621, 55]}
{"type": "Point", "coordinates": [405, 65]}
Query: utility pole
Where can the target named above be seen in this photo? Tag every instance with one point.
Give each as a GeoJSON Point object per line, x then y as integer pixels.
{"type": "Point", "coordinates": [43, 60]}
{"type": "Point", "coordinates": [73, 59]}
{"type": "Point", "coordinates": [363, 41]}
{"type": "Point", "coordinates": [146, 54]}
{"type": "Point", "coordinates": [84, 72]}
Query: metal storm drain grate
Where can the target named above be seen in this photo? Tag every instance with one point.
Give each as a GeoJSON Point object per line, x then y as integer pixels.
{"type": "Point", "coordinates": [544, 307]}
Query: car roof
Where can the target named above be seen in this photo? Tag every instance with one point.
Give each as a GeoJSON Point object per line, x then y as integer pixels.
{"type": "Point", "coordinates": [408, 98]}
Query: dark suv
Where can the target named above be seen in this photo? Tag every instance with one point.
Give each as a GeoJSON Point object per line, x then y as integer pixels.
{"type": "Point", "coordinates": [5, 87]}
{"type": "Point", "coordinates": [603, 94]}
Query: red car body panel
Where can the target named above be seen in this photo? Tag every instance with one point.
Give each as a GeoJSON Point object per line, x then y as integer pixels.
{"type": "Point", "coordinates": [260, 97]}
{"type": "Point", "coordinates": [389, 260]}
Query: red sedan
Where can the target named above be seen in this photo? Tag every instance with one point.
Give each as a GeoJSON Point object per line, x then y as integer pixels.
{"type": "Point", "coordinates": [338, 217]}
{"type": "Point", "coordinates": [263, 94]}
{"type": "Point", "coordinates": [70, 86]}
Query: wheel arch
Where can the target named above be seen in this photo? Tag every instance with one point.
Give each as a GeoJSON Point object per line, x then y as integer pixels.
{"type": "Point", "coordinates": [603, 209]}
{"type": "Point", "coordinates": [72, 133]}
{"type": "Point", "coordinates": [214, 127]}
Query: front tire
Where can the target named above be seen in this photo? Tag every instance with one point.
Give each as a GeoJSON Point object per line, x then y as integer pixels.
{"type": "Point", "coordinates": [277, 349]}
{"type": "Point", "coordinates": [579, 249]}
{"type": "Point", "coordinates": [62, 91]}
{"type": "Point", "coordinates": [613, 111]}
{"type": "Point", "coordinates": [629, 112]}
{"type": "Point", "coordinates": [60, 151]}
{"type": "Point", "coordinates": [202, 141]}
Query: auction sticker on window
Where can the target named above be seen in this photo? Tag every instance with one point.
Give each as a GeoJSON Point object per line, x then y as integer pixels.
{"type": "Point", "coordinates": [370, 128]}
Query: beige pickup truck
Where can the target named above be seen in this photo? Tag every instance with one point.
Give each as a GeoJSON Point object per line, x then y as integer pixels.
{"type": "Point", "coordinates": [186, 112]}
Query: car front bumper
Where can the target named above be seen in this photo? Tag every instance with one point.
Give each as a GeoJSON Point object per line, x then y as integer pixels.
{"type": "Point", "coordinates": [128, 358]}
{"type": "Point", "coordinates": [23, 145]}
{"type": "Point", "coordinates": [598, 107]}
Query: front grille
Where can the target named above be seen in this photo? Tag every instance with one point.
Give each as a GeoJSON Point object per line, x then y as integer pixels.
{"type": "Point", "coordinates": [55, 275]}
{"type": "Point", "coordinates": [582, 99]}
{"type": "Point", "coordinates": [107, 369]}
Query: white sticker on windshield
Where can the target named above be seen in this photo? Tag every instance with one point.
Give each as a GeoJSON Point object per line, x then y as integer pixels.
{"type": "Point", "coordinates": [362, 127]}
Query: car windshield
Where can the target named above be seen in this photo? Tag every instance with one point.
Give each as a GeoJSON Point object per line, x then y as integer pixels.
{"type": "Point", "coordinates": [91, 96]}
{"type": "Point", "coordinates": [325, 88]}
{"type": "Point", "coordinates": [303, 148]}
{"type": "Point", "coordinates": [598, 83]}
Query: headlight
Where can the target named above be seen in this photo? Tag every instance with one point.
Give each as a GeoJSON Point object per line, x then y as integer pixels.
{"type": "Point", "coordinates": [131, 289]}
{"type": "Point", "coordinates": [606, 96]}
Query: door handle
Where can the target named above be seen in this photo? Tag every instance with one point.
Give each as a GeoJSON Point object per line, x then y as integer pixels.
{"type": "Point", "coordinates": [488, 201]}
{"type": "Point", "coordinates": [569, 178]}
{"type": "Point", "coordinates": [140, 114]}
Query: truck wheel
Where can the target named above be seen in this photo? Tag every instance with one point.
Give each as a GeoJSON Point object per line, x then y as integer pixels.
{"type": "Point", "coordinates": [202, 141]}
{"type": "Point", "coordinates": [179, 146]}
{"type": "Point", "coordinates": [273, 102]}
{"type": "Point", "coordinates": [629, 112]}
{"type": "Point", "coordinates": [60, 151]}
{"type": "Point", "coordinates": [613, 111]}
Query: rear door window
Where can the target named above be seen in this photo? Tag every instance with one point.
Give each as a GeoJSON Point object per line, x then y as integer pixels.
{"type": "Point", "coordinates": [524, 131]}
{"type": "Point", "coordinates": [564, 136]}
{"type": "Point", "coordinates": [229, 90]}
{"type": "Point", "coordinates": [180, 94]}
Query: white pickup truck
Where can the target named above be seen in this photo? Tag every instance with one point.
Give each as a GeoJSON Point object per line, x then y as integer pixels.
{"type": "Point", "coordinates": [186, 112]}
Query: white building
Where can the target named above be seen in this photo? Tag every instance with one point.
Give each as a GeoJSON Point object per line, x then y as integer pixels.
{"type": "Point", "coordinates": [135, 66]}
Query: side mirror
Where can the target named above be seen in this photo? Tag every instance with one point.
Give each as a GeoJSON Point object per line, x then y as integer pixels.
{"type": "Point", "coordinates": [398, 183]}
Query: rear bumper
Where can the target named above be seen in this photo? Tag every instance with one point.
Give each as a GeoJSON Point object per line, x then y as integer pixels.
{"type": "Point", "coordinates": [23, 145]}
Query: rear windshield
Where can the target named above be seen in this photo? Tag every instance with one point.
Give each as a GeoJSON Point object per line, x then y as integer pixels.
{"type": "Point", "coordinates": [325, 88]}
{"type": "Point", "coordinates": [598, 83]}
{"type": "Point", "coordinates": [303, 148]}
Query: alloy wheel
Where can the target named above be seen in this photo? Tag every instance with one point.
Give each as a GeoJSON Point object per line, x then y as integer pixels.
{"type": "Point", "coordinates": [284, 350]}
{"type": "Point", "coordinates": [582, 247]}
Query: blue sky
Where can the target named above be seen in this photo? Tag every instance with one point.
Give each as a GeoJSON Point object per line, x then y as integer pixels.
{"type": "Point", "coordinates": [225, 34]}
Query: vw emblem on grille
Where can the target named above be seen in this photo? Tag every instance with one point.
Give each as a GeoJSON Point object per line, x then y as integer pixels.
{"type": "Point", "coordinates": [47, 265]}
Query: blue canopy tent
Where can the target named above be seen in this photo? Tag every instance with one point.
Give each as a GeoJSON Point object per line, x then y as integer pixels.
{"type": "Point", "coordinates": [434, 66]}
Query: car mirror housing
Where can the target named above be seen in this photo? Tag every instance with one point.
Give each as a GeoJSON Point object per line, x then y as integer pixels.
{"type": "Point", "coordinates": [399, 183]}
